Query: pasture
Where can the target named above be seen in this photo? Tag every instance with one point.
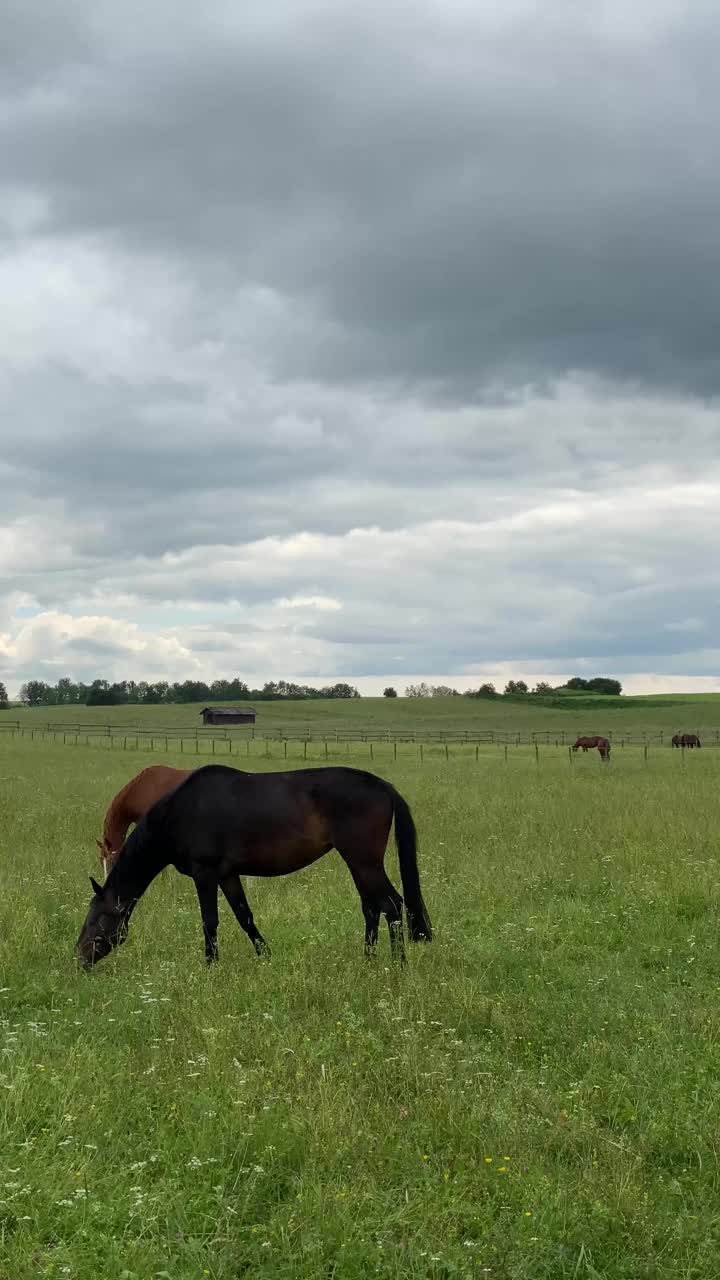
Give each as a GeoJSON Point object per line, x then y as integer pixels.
{"type": "Point", "coordinates": [421, 717]}
{"type": "Point", "coordinates": [535, 1097]}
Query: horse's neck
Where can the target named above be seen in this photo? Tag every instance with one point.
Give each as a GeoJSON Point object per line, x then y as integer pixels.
{"type": "Point", "coordinates": [116, 825]}
{"type": "Point", "coordinates": [139, 863]}
{"type": "Point", "coordinates": [117, 820]}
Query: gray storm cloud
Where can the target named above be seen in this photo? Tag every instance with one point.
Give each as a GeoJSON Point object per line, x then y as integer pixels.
{"type": "Point", "coordinates": [442, 274]}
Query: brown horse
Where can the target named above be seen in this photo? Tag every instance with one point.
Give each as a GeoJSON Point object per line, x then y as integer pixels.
{"type": "Point", "coordinates": [588, 744]}
{"type": "Point", "coordinates": [132, 803]}
{"type": "Point", "coordinates": [685, 740]}
{"type": "Point", "coordinates": [221, 823]}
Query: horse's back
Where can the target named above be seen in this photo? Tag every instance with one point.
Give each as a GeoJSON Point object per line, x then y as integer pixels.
{"type": "Point", "coordinates": [269, 824]}
{"type": "Point", "coordinates": [221, 789]}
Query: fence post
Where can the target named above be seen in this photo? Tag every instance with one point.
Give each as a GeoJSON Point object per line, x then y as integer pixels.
{"type": "Point", "coordinates": [395, 749]}
{"type": "Point", "coordinates": [372, 757]}
{"type": "Point", "coordinates": [537, 754]}
{"type": "Point", "coordinates": [645, 750]}
{"type": "Point", "coordinates": [326, 749]}
{"type": "Point", "coordinates": [571, 757]}
{"type": "Point", "coordinates": [422, 757]}
{"type": "Point", "coordinates": [305, 750]}
{"type": "Point", "coordinates": [477, 751]}
{"type": "Point", "coordinates": [506, 753]}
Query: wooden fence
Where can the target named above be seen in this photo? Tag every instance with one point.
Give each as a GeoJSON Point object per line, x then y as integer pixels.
{"type": "Point", "coordinates": [223, 744]}
{"type": "Point", "coordinates": [243, 733]}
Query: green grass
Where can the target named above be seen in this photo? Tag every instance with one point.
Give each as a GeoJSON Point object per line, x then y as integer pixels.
{"type": "Point", "coordinates": [536, 1097]}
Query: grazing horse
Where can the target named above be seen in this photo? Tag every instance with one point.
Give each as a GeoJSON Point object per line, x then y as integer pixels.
{"type": "Point", "coordinates": [686, 740]}
{"type": "Point", "coordinates": [132, 803]}
{"type": "Point", "coordinates": [676, 740]}
{"type": "Point", "coordinates": [588, 744]}
{"type": "Point", "coordinates": [220, 824]}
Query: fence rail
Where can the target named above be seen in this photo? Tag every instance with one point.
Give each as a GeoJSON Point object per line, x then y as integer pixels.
{"type": "Point", "coordinates": [555, 737]}
{"type": "Point", "coordinates": [228, 741]}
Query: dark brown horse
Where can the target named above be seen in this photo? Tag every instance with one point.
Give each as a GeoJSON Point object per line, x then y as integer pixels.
{"type": "Point", "coordinates": [685, 740]}
{"type": "Point", "coordinates": [132, 803]}
{"type": "Point", "coordinates": [220, 824]}
{"type": "Point", "coordinates": [588, 744]}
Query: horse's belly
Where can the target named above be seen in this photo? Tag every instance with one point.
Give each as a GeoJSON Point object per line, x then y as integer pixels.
{"type": "Point", "coordinates": [280, 860]}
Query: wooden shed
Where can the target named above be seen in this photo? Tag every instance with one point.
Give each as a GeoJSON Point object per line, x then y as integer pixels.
{"type": "Point", "coordinates": [228, 715]}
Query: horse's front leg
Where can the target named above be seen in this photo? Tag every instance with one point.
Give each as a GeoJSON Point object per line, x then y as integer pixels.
{"type": "Point", "coordinates": [206, 887]}
{"type": "Point", "coordinates": [235, 894]}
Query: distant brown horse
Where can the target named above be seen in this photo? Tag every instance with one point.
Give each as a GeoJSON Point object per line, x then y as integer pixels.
{"type": "Point", "coordinates": [132, 803]}
{"type": "Point", "coordinates": [588, 744]}
{"type": "Point", "coordinates": [685, 740]}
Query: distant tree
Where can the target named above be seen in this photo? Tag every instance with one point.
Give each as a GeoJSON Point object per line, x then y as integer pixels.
{"type": "Point", "coordinates": [34, 693]}
{"type": "Point", "coordinates": [443, 691]}
{"type": "Point", "coordinates": [340, 690]}
{"type": "Point", "coordinates": [101, 695]}
{"type": "Point", "coordinates": [602, 684]}
{"type": "Point", "coordinates": [389, 692]}
{"type": "Point", "coordinates": [66, 691]}
{"type": "Point", "coordinates": [576, 682]}
{"type": "Point", "coordinates": [515, 686]}
{"type": "Point", "coordinates": [543, 687]}
{"type": "Point", "coordinates": [4, 700]}
{"type": "Point", "coordinates": [421, 690]}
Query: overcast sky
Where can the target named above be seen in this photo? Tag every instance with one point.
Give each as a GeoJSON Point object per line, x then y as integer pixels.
{"type": "Point", "coordinates": [345, 340]}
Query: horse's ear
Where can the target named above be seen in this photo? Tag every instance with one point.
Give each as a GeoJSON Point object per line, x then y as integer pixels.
{"type": "Point", "coordinates": [97, 889]}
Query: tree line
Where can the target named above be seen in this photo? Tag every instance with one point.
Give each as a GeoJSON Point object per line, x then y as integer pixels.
{"type": "Point", "coordinates": [598, 684]}
{"type": "Point", "coordinates": [101, 693]}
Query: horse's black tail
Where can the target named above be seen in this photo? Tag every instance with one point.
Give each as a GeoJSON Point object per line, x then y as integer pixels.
{"type": "Point", "coordinates": [418, 920]}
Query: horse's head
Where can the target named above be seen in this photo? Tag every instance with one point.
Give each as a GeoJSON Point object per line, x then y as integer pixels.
{"type": "Point", "coordinates": [105, 926]}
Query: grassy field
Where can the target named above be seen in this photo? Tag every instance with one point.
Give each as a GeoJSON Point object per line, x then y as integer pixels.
{"type": "Point", "coordinates": [536, 1097]}
{"type": "Point", "coordinates": [582, 714]}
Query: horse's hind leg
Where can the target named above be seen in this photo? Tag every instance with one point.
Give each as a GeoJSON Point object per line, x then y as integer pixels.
{"type": "Point", "coordinates": [207, 888]}
{"type": "Point", "coordinates": [235, 895]}
{"type": "Point", "coordinates": [377, 895]}
{"type": "Point", "coordinates": [371, 913]}
{"type": "Point", "coordinates": [392, 906]}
